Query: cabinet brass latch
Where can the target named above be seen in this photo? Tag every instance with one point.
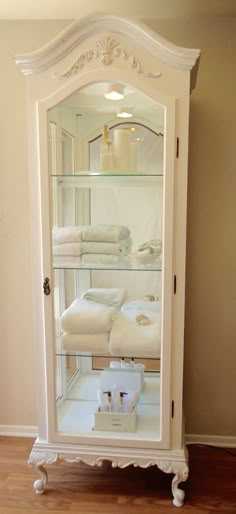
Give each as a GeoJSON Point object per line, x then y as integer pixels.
{"type": "Point", "coordinates": [46, 286]}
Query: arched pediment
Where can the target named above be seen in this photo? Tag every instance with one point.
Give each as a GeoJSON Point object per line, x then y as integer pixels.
{"type": "Point", "coordinates": [107, 27]}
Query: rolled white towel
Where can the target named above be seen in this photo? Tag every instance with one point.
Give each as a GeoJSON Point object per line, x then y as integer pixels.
{"type": "Point", "coordinates": [107, 296]}
{"type": "Point", "coordinates": [86, 317]}
{"type": "Point", "coordinates": [105, 233]}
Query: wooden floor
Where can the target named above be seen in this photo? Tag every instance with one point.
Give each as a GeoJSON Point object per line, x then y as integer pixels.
{"type": "Point", "coordinates": [78, 488]}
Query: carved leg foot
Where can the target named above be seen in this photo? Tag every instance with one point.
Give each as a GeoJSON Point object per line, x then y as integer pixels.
{"type": "Point", "coordinates": [37, 460]}
{"type": "Point", "coordinates": [178, 493]}
{"type": "Point", "coordinates": [180, 471]}
{"type": "Point", "coordinates": [40, 484]}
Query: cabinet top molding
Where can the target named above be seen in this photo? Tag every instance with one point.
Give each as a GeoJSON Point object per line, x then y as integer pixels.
{"type": "Point", "coordinates": [184, 59]}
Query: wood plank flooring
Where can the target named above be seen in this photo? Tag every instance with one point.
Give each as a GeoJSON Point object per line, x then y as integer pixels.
{"type": "Point", "coordinates": [78, 488]}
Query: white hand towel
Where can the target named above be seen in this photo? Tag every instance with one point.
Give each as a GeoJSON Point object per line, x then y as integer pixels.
{"type": "Point", "coordinates": [74, 249]}
{"type": "Point", "coordinates": [107, 296]}
{"type": "Point", "coordinates": [100, 259]}
{"type": "Point", "coordinates": [70, 234]}
{"type": "Point", "coordinates": [66, 261]}
{"type": "Point", "coordinates": [106, 233]}
{"type": "Point", "coordinates": [88, 343]}
{"type": "Point", "coordinates": [123, 247]}
{"type": "Point", "coordinates": [87, 317]}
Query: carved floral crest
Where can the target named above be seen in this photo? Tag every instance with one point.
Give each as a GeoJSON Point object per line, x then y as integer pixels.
{"type": "Point", "coordinates": [107, 49]}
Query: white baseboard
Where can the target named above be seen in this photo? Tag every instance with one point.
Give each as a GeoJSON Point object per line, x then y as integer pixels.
{"type": "Point", "coordinates": [213, 440]}
{"type": "Point", "coordinates": [18, 431]}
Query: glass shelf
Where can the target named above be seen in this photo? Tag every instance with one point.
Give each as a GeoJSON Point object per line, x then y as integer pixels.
{"type": "Point", "coordinates": [101, 178]}
{"type": "Point", "coordinates": [122, 266]}
{"type": "Point", "coordinates": [106, 173]}
{"type": "Point", "coordinates": [65, 353]}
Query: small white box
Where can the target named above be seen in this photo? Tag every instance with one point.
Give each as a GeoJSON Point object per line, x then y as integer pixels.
{"type": "Point", "coordinates": [116, 421]}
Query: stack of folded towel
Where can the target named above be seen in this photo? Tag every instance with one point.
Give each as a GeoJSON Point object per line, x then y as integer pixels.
{"type": "Point", "coordinates": [87, 322]}
{"type": "Point", "coordinates": [67, 243]}
{"type": "Point", "coordinates": [136, 330]}
{"type": "Point", "coordinates": [104, 244]}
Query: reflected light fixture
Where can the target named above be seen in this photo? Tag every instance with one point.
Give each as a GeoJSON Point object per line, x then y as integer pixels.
{"type": "Point", "coordinates": [124, 114]}
{"type": "Point", "coordinates": [115, 92]}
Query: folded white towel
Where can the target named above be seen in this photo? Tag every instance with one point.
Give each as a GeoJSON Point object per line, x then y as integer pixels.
{"type": "Point", "coordinates": [122, 247]}
{"type": "Point", "coordinates": [66, 260]}
{"type": "Point", "coordinates": [107, 296]}
{"type": "Point", "coordinates": [74, 249]}
{"type": "Point", "coordinates": [70, 234]}
{"type": "Point", "coordinates": [129, 338]}
{"type": "Point", "coordinates": [87, 317]}
{"type": "Point", "coordinates": [89, 343]}
{"type": "Point", "coordinates": [100, 258]}
{"type": "Point", "coordinates": [106, 233]}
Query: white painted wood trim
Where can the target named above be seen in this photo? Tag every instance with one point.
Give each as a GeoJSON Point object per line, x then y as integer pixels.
{"type": "Point", "coordinates": [18, 431]}
{"type": "Point", "coordinates": [177, 57]}
{"type": "Point", "coordinates": [223, 441]}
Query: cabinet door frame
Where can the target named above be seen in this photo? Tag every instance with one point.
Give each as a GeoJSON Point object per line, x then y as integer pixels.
{"type": "Point", "coordinates": [169, 164]}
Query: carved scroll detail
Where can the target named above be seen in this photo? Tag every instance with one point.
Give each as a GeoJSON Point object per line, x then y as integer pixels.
{"type": "Point", "coordinates": [107, 49]}
{"type": "Point", "coordinates": [179, 468]}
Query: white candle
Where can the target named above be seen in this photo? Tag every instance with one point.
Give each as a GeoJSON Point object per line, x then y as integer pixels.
{"type": "Point", "coordinates": [122, 149]}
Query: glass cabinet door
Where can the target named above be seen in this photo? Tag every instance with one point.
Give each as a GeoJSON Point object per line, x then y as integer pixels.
{"type": "Point", "coordinates": [108, 212]}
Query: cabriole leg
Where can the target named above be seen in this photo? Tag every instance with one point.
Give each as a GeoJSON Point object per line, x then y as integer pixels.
{"type": "Point", "coordinates": [37, 460]}
{"type": "Point", "coordinates": [40, 484]}
{"type": "Point", "coordinates": [178, 493]}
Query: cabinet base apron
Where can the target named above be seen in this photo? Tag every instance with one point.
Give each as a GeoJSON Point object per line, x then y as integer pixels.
{"type": "Point", "coordinates": [169, 461]}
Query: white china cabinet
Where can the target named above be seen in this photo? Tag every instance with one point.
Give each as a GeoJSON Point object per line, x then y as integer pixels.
{"type": "Point", "coordinates": [108, 150]}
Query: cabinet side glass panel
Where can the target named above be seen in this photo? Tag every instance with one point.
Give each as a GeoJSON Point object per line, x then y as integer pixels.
{"type": "Point", "coordinates": [107, 258]}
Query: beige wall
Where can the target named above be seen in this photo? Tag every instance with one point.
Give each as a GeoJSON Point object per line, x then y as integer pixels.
{"type": "Point", "coordinates": [210, 335]}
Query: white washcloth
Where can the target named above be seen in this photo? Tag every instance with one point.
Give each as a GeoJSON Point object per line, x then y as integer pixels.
{"type": "Point", "coordinates": [74, 249]}
{"type": "Point", "coordinates": [90, 343]}
{"type": "Point", "coordinates": [122, 247]}
{"type": "Point", "coordinates": [107, 296]}
{"type": "Point", "coordinates": [70, 234]}
{"type": "Point", "coordinates": [106, 233]}
{"type": "Point", "coordinates": [129, 338]}
{"type": "Point", "coordinates": [154, 246]}
{"type": "Point", "coordinates": [100, 258]}
{"type": "Point", "coordinates": [87, 317]}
